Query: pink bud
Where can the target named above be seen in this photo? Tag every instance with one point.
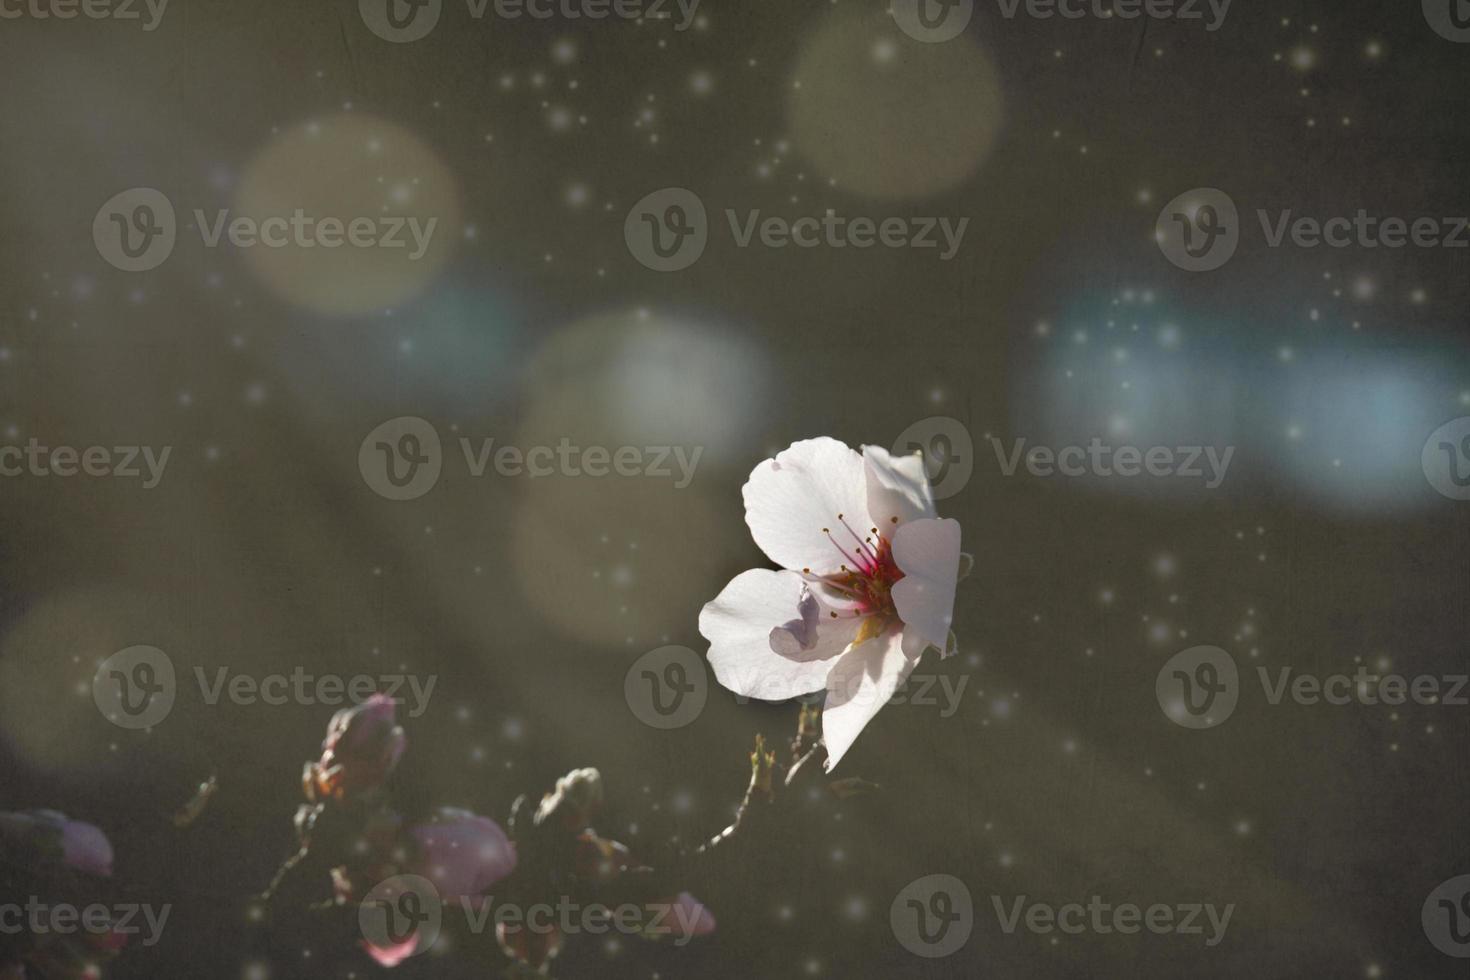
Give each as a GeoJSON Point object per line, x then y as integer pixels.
{"type": "Point", "coordinates": [361, 750]}
{"type": "Point", "coordinates": [85, 848]}
{"type": "Point", "coordinates": [690, 917]}
{"type": "Point", "coordinates": [462, 853]}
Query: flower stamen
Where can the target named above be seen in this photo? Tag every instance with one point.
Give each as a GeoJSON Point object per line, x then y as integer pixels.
{"type": "Point", "coordinates": [865, 579]}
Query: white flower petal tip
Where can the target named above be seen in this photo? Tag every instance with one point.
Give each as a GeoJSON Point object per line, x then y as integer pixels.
{"type": "Point", "coordinates": [927, 551]}
{"type": "Point", "coordinates": [861, 683]}
{"type": "Point", "coordinates": [897, 486]}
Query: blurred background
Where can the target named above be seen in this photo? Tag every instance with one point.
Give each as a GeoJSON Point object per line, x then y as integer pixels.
{"type": "Point", "coordinates": [527, 320]}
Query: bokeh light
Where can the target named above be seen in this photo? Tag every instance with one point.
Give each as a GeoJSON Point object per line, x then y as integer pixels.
{"type": "Point", "coordinates": [351, 167]}
{"type": "Point", "coordinates": [1340, 424]}
{"type": "Point", "coordinates": [887, 117]}
{"type": "Point", "coordinates": [620, 560]}
{"type": "Point", "coordinates": [47, 661]}
{"type": "Point", "coordinates": [642, 377]}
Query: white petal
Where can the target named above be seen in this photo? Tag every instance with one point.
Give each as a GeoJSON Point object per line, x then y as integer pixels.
{"type": "Point", "coordinates": [858, 687]}
{"type": "Point", "coordinates": [739, 625]}
{"type": "Point", "coordinates": [789, 500]}
{"type": "Point", "coordinates": [897, 486]}
{"type": "Point", "coordinates": [928, 553]}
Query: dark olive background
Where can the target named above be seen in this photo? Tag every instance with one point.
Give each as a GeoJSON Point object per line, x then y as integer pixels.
{"type": "Point", "coordinates": [276, 554]}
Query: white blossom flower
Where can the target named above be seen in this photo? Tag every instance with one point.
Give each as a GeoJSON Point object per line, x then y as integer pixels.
{"type": "Point", "coordinates": [867, 584]}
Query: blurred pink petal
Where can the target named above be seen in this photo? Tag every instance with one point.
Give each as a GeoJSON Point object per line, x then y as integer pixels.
{"type": "Point", "coordinates": [362, 726]}
{"type": "Point", "coordinates": [86, 848]}
{"type": "Point", "coordinates": [391, 956]}
{"type": "Point", "coordinates": [462, 853]}
{"type": "Point", "coordinates": [689, 917]}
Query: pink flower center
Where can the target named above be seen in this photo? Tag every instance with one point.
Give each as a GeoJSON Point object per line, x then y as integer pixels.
{"type": "Point", "coordinates": [868, 574]}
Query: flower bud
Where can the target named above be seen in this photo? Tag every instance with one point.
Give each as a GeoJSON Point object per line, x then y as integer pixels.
{"type": "Point", "coordinates": [38, 838]}
{"type": "Point", "coordinates": [574, 802]}
{"type": "Point", "coordinates": [462, 853]}
{"type": "Point", "coordinates": [361, 750]}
